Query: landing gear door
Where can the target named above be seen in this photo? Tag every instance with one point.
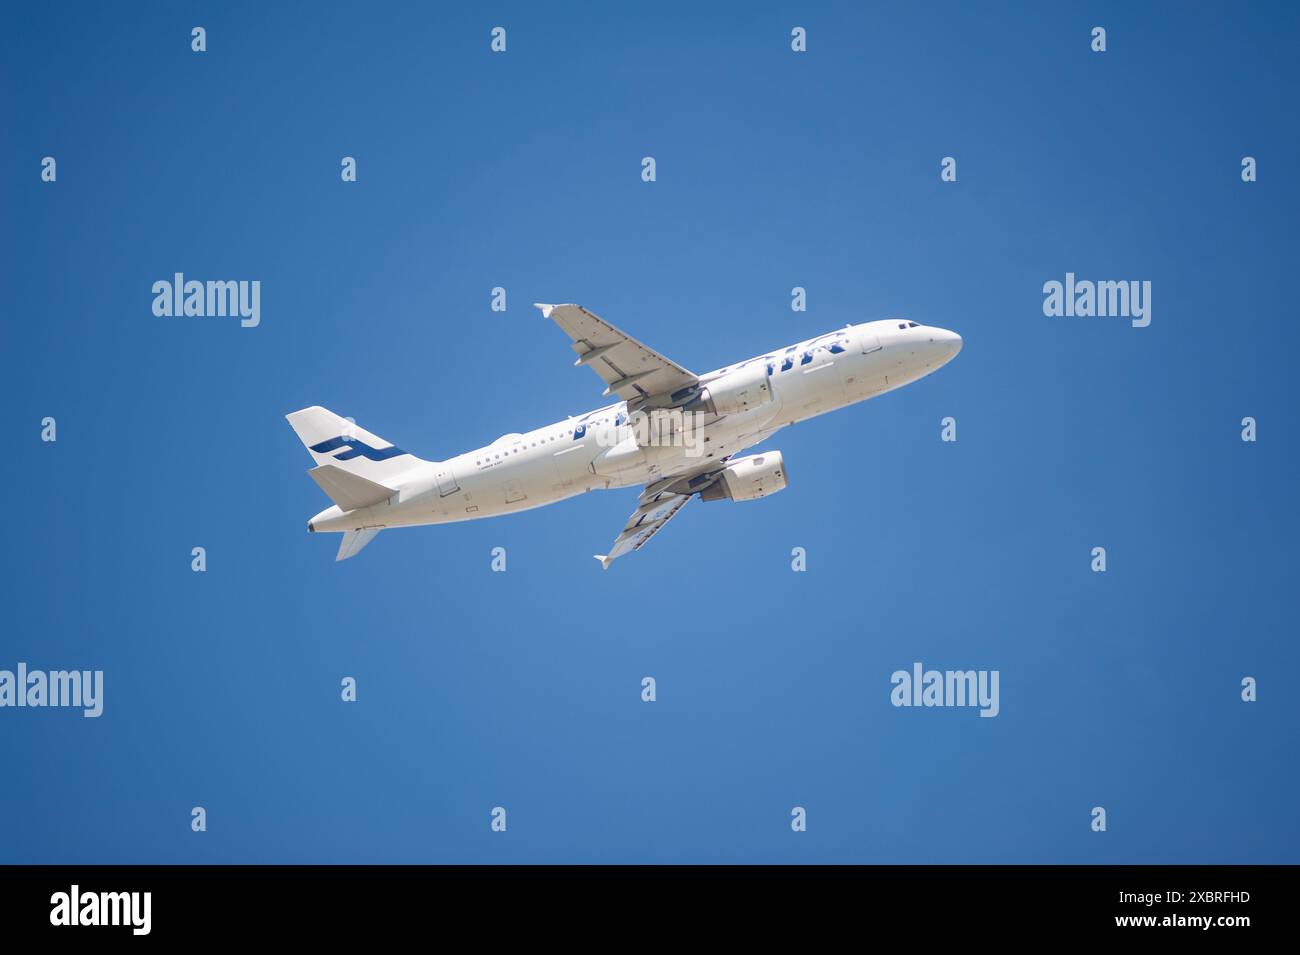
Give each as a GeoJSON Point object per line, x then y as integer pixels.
{"type": "Point", "coordinates": [868, 340]}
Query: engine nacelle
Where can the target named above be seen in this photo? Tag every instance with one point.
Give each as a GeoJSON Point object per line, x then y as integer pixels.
{"type": "Point", "coordinates": [736, 391]}
{"type": "Point", "coordinates": [748, 478]}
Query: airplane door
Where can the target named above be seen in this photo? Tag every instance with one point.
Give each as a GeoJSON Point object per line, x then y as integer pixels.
{"type": "Point", "coordinates": [869, 341]}
{"type": "Point", "coordinates": [447, 482]}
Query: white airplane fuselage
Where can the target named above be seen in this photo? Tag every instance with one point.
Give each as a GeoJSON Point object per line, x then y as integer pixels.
{"type": "Point", "coordinates": [599, 449]}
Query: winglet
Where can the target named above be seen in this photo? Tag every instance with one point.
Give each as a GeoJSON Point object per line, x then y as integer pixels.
{"type": "Point", "coordinates": [546, 309]}
{"type": "Point", "coordinates": [604, 561]}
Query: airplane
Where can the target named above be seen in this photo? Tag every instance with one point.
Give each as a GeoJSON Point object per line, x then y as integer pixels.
{"type": "Point", "coordinates": [676, 433]}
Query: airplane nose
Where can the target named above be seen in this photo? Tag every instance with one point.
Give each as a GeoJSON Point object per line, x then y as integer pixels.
{"type": "Point", "coordinates": [949, 342]}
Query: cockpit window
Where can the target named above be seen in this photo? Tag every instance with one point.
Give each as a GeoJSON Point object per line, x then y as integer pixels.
{"type": "Point", "coordinates": [911, 324]}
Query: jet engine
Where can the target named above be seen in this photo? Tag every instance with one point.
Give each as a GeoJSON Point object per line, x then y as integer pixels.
{"type": "Point", "coordinates": [748, 478]}
{"type": "Point", "coordinates": [736, 391]}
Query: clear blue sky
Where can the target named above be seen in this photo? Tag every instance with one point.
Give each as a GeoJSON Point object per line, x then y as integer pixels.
{"type": "Point", "coordinates": [522, 689]}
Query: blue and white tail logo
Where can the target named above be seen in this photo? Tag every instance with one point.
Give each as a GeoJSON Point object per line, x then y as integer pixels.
{"type": "Point", "coordinates": [356, 448]}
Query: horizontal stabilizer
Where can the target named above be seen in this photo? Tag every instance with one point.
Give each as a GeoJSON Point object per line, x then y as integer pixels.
{"type": "Point", "coordinates": [349, 491]}
{"type": "Point", "coordinates": [353, 541]}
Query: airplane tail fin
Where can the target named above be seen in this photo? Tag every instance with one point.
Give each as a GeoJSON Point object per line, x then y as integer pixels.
{"type": "Point", "coordinates": [341, 445]}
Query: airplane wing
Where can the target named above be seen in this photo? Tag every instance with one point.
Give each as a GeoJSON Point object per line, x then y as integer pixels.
{"type": "Point", "coordinates": [652, 512]}
{"type": "Point", "coordinates": [629, 369]}
{"type": "Point", "coordinates": [658, 504]}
